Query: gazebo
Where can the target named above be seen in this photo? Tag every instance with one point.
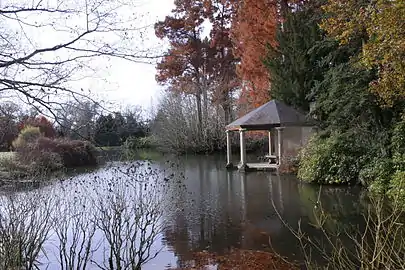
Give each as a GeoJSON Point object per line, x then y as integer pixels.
{"type": "Point", "coordinates": [274, 115]}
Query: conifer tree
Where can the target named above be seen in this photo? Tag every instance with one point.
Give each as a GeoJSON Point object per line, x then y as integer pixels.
{"type": "Point", "coordinates": [294, 63]}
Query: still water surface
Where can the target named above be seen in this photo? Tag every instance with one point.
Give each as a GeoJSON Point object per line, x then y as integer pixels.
{"type": "Point", "coordinates": [214, 209]}
{"type": "Point", "coordinates": [236, 210]}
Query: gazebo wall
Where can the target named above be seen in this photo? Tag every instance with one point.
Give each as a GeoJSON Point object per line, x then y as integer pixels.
{"type": "Point", "coordinates": [293, 139]}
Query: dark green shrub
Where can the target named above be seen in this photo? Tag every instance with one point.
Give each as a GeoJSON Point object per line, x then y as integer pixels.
{"type": "Point", "coordinates": [333, 159]}
{"type": "Point", "coordinates": [377, 174]}
{"type": "Point", "coordinates": [397, 187]}
{"type": "Point", "coordinates": [311, 158]}
{"type": "Point", "coordinates": [132, 143]}
{"type": "Point", "coordinates": [398, 145]}
{"type": "Point", "coordinates": [397, 184]}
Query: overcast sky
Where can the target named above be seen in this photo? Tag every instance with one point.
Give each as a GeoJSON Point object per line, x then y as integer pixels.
{"type": "Point", "coordinates": [112, 80]}
{"type": "Point", "coordinates": [115, 80]}
{"type": "Point", "coordinates": [134, 84]}
{"type": "Point", "coordinates": [129, 83]}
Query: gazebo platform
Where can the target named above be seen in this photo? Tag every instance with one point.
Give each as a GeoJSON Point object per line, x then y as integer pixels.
{"type": "Point", "coordinates": [262, 166]}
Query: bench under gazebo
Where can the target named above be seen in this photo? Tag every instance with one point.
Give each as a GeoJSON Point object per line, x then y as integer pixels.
{"type": "Point", "coordinates": [273, 117]}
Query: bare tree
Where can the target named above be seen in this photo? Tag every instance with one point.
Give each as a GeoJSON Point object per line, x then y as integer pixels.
{"type": "Point", "coordinates": [379, 245]}
{"type": "Point", "coordinates": [76, 119]}
{"type": "Point", "coordinates": [46, 46]}
{"type": "Point", "coordinates": [75, 230]}
{"type": "Point", "coordinates": [9, 116]}
{"type": "Point", "coordinates": [129, 216]}
{"type": "Point", "coordinates": [175, 125]}
{"type": "Point", "coordinates": [25, 223]}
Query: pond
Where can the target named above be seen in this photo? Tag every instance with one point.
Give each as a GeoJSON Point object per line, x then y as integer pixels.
{"type": "Point", "coordinates": [199, 207]}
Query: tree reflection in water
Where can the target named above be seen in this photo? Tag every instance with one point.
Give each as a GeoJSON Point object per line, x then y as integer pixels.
{"type": "Point", "coordinates": [200, 207]}
{"type": "Point", "coordinates": [232, 210]}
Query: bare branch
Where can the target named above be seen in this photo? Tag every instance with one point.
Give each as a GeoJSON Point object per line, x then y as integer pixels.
{"type": "Point", "coordinates": [78, 36]}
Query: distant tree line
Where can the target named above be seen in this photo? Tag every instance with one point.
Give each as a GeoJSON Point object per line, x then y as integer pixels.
{"type": "Point", "coordinates": [74, 120]}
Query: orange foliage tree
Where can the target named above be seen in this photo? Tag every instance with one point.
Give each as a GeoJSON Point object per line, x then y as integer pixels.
{"type": "Point", "coordinates": [253, 28]}
{"type": "Point", "coordinates": [203, 67]}
{"type": "Point", "coordinates": [183, 68]}
{"type": "Point", "coordinates": [224, 77]}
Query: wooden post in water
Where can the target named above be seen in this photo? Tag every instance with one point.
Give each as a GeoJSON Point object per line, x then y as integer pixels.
{"type": "Point", "coordinates": [228, 150]}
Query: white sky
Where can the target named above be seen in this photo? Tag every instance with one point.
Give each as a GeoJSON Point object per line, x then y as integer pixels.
{"type": "Point", "coordinates": [128, 83]}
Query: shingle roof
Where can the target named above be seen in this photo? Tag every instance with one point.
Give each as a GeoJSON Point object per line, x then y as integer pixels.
{"type": "Point", "coordinates": [272, 114]}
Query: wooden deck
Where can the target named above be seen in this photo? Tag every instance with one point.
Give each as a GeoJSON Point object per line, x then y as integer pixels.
{"type": "Point", "coordinates": [263, 166]}
{"type": "Point", "coordinates": [259, 166]}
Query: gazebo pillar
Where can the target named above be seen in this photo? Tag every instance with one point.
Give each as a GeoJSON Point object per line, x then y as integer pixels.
{"type": "Point", "coordinates": [242, 164]}
{"type": "Point", "coordinates": [280, 143]}
{"type": "Point", "coordinates": [270, 150]}
{"type": "Point", "coordinates": [228, 150]}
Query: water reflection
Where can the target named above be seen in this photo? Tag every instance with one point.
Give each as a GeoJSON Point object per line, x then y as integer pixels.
{"type": "Point", "coordinates": [234, 210]}
{"type": "Point", "coordinates": [204, 208]}
{"type": "Point", "coordinates": [108, 219]}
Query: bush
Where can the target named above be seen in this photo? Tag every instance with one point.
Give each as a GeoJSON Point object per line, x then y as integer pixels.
{"type": "Point", "coordinates": [333, 159]}
{"type": "Point", "coordinates": [397, 187]}
{"type": "Point", "coordinates": [398, 145]}
{"type": "Point", "coordinates": [44, 125]}
{"type": "Point", "coordinates": [377, 174]}
{"type": "Point", "coordinates": [39, 154]}
{"type": "Point", "coordinates": [28, 134]}
{"type": "Point", "coordinates": [133, 143]}
{"type": "Point", "coordinates": [72, 153]}
{"type": "Point", "coordinates": [376, 241]}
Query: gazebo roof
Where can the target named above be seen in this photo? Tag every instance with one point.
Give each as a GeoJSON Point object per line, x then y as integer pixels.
{"type": "Point", "coordinates": [272, 114]}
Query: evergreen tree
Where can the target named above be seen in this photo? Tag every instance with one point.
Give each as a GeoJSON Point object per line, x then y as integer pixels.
{"type": "Point", "coordinates": [107, 133]}
{"type": "Point", "coordinates": [294, 64]}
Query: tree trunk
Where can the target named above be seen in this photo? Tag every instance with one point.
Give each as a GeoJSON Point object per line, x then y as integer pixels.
{"type": "Point", "coordinates": [227, 113]}
{"type": "Point", "coordinates": [205, 96]}
{"type": "Point", "coordinates": [204, 91]}
{"type": "Point", "coordinates": [283, 8]}
{"type": "Point", "coordinates": [199, 112]}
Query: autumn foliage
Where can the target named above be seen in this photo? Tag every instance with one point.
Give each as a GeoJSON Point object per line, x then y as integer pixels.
{"type": "Point", "coordinates": [381, 25]}
{"type": "Point", "coordinates": [254, 26]}
{"type": "Point", "coordinates": [230, 58]}
{"type": "Point", "coordinates": [44, 125]}
{"type": "Point", "coordinates": [198, 65]}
